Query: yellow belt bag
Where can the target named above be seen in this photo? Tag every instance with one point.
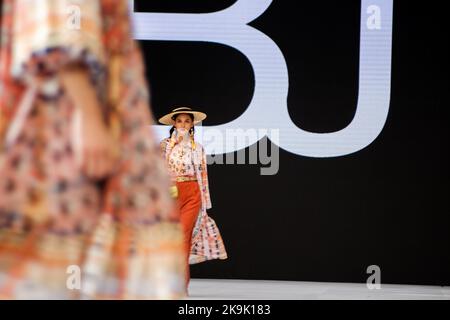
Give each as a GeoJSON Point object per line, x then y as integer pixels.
{"type": "Point", "coordinates": [173, 191]}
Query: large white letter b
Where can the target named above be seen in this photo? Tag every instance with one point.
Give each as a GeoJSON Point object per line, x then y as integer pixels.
{"type": "Point", "coordinates": [268, 108]}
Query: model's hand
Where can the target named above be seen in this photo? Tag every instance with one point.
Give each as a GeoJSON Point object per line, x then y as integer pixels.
{"type": "Point", "coordinates": [96, 152]}
{"type": "Point", "coordinates": [183, 134]}
{"type": "Point", "coordinates": [178, 135]}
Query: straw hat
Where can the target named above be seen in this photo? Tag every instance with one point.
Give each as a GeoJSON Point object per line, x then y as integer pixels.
{"type": "Point", "coordinates": [169, 118]}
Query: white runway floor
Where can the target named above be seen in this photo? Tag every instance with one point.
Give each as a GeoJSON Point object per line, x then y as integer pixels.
{"type": "Point", "coordinates": [209, 289]}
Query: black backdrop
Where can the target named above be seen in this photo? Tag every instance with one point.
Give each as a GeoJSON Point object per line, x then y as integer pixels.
{"type": "Point", "coordinates": [324, 219]}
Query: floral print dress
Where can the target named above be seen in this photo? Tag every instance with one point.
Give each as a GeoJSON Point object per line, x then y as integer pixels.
{"type": "Point", "coordinates": [121, 235]}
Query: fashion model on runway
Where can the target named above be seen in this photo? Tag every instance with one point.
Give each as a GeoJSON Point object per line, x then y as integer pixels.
{"type": "Point", "coordinates": [186, 161]}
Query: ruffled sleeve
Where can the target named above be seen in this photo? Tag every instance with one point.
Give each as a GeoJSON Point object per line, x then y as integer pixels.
{"type": "Point", "coordinates": [49, 34]}
{"type": "Point", "coordinates": [166, 147]}
{"type": "Point", "coordinates": [163, 148]}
